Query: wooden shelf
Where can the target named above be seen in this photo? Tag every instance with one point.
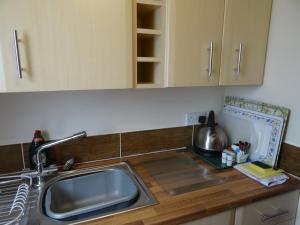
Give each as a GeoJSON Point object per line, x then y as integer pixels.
{"type": "Point", "coordinates": [149, 46]}
{"type": "Point", "coordinates": [148, 59]}
{"type": "Point", "coordinates": [148, 73]}
{"type": "Point", "coordinates": [150, 2]}
{"type": "Point", "coordinates": [148, 32]}
{"type": "Point", "coordinates": [149, 16]}
{"type": "Point", "coordinates": [149, 43]}
{"type": "Point", "coordinates": [148, 85]}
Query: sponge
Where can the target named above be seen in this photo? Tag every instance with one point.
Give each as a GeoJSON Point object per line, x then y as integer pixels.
{"type": "Point", "coordinates": [263, 168]}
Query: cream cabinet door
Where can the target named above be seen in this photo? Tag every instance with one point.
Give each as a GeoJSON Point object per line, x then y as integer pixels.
{"type": "Point", "coordinates": [245, 37]}
{"type": "Point", "coordinates": [195, 42]}
{"type": "Point", "coordinates": [290, 222]}
{"type": "Point", "coordinates": [273, 211]}
{"type": "Point", "coordinates": [66, 44]}
{"type": "Point", "coordinates": [224, 218]}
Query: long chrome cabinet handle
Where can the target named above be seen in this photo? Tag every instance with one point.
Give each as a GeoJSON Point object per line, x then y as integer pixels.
{"type": "Point", "coordinates": [17, 51]}
{"type": "Point", "coordinates": [237, 70]}
{"type": "Point", "coordinates": [210, 59]}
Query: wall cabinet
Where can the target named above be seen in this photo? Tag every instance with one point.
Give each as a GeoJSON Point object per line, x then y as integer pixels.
{"type": "Point", "coordinates": [245, 37]}
{"type": "Point", "coordinates": [149, 43]}
{"type": "Point", "coordinates": [195, 42]}
{"type": "Point", "coordinates": [92, 44]}
{"type": "Point", "coordinates": [66, 45]}
{"type": "Point", "coordinates": [218, 42]}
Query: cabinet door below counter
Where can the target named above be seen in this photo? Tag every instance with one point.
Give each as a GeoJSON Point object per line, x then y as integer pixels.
{"type": "Point", "coordinates": [273, 211]}
{"type": "Point", "coordinates": [224, 218]}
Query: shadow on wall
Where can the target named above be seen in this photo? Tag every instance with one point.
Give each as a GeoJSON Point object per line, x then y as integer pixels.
{"type": "Point", "coordinates": [101, 112]}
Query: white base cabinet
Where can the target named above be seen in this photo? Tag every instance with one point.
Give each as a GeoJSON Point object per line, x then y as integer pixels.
{"type": "Point", "coordinates": [281, 209]}
{"type": "Point", "coordinates": [224, 218]}
{"type": "Point", "coordinates": [278, 210]}
{"type": "Point", "coordinates": [290, 222]}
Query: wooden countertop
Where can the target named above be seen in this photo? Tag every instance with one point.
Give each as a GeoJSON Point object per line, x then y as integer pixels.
{"type": "Point", "coordinates": [237, 190]}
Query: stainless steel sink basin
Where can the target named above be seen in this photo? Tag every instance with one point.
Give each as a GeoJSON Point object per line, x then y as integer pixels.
{"type": "Point", "coordinates": [78, 196]}
{"type": "Point", "coordinates": [87, 193]}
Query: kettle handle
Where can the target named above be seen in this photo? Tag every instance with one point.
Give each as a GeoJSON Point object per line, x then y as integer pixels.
{"type": "Point", "coordinates": [211, 119]}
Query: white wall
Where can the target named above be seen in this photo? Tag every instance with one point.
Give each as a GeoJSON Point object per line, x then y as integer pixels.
{"type": "Point", "coordinates": [100, 112]}
{"type": "Point", "coordinates": [282, 75]}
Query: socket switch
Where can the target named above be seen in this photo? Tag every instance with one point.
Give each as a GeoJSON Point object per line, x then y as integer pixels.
{"type": "Point", "coordinates": [192, 118]}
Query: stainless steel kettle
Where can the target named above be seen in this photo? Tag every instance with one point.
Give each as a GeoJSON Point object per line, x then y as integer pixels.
{"type": "Point", "coordinates": [211, 139]}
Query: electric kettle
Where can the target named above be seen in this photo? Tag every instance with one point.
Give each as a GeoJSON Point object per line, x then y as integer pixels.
{"type": "Point", "coordinates": [211, 139]}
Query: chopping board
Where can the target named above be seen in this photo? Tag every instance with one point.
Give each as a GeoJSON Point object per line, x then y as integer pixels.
{"type": "Point", "coordinates": [181, 174]}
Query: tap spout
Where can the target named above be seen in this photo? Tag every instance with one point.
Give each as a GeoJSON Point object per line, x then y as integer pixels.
{"type": "Point", "coordinates": [41, 148]}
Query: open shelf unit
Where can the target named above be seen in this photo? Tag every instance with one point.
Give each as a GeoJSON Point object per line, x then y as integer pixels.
{"type": "Point", "coordinates": [149, 43]}
{"type": "Point", "coordinates": [148, 59]}
{"type": "Point", "coordinates": [147, 32]}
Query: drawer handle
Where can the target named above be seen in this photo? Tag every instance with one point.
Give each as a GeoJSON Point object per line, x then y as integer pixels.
{"type": "Point", "coordinates": [210, 59]}
{"type": "Point", "coordinates": [17, 52]}
{"type": "Point", "coordinates": [279, 212]}
{"type": "Point", "coordinates": [237, 70]}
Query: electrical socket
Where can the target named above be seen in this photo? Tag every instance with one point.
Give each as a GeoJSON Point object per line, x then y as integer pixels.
{"type": "Point", "coordinates": [191, 118]}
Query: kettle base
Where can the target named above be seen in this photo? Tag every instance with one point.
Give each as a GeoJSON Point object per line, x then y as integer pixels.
{"type": "Point", "coordinates": [207, 153]}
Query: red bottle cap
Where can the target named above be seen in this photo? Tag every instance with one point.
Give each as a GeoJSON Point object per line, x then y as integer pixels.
{"type": "Point", "coordinates": [37, 134]}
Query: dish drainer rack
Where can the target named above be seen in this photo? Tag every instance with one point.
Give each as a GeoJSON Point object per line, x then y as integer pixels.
{"type": "Point", "coordinates": [15, 200]}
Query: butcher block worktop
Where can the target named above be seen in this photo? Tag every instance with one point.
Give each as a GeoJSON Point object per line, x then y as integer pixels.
{"type": "Point", "coordinates": [237, 190]}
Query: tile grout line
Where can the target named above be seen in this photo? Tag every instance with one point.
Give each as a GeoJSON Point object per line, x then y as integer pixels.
{"type": "Point", "coordinates": [98, 160]}
{"type": "Point", "coordinates": [155, 152]}
{"type": "Point", "coordinates": [22, 152]}
{"type": "Point", "coordinates": [134, 155]}
{"type": "Point", "coordinates": [120, 145]}
{"type": "Point", "coordinates": [193, 130]}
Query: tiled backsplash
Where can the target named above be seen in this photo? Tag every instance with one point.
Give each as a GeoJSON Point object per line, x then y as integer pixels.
{"type": "Point", "coordinates": [142, 142]}
{"type": "Point", "coordinates": [113, 146]}
{"type": "Point", "coordinates": [289, 159]}
{"type": "Point", "coordinates": [16, 157]}
{"type": "Point", "coordinates": [84, 150]}
{"type": "Point", "coordinates": [11, 158]}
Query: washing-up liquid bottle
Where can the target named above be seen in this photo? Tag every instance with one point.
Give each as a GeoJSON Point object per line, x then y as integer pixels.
{"type": "Point", "coordinates": [37, 141]}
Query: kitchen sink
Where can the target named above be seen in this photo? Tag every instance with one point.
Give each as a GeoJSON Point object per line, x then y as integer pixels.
{"type": "Point", "coordinates": [84, 195]}
{"type": "Point", "coordinates": [79, 195]}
